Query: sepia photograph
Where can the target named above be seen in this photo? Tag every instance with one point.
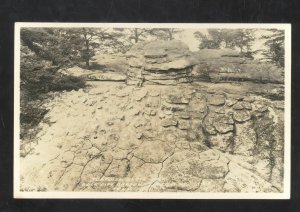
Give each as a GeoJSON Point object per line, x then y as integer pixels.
{"type": "Point", "coordinates": [176, 111]}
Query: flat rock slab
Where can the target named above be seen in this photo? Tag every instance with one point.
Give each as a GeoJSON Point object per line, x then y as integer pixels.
{"type": "Point", "coordinates": [177, 99]}
{"type": "Point", "coordinates": [169, 122]}
{"type": "Point", "coordinates": [107, 76]}
{"type": "Point", "coordinates": [216, 100]}
{"type": "Point", "coordinates": [153, 151]}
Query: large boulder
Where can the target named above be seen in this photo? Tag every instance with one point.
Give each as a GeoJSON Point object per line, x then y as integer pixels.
{"type": "Point", "coordinates": [157, 48]}
{"type": "Point", "coordinates": [160, 62]}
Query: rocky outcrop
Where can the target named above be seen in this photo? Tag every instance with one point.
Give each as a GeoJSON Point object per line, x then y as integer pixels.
{"type": "Point", "coordinates": [171, 63]}
{"type": "Point", "coordinates": [112, 137]}
{"type": "Point", "coordinates": [160, 62]}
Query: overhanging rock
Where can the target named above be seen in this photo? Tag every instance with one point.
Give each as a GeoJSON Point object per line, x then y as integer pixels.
{"type": "Point", "coordinates": [160, 62]}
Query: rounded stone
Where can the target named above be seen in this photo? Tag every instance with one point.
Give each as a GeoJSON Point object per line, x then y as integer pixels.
{"type": "Point", "coordinates": [241, 116]}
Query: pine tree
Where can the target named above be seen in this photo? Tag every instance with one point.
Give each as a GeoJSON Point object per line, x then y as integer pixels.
{"type": "Point", "coordinates": [275, 47]}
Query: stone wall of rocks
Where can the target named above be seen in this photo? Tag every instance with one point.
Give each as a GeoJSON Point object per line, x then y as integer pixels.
{"type": "Point", "coordinates": [247, 128]}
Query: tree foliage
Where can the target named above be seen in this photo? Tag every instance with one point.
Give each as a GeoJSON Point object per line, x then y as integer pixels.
{"type": "Point", "coordinates": [207, 42]}
{"type": "Point", "coordinates": [136, 35]}
{"type": "Point", "coordinates": [67, 46]}
{"type": "Point", "coordinates": [45, 43]}
{"type": "Point", "coordinates": [125, 38]}
{"type": "Point", "coordinates": [240, 39]}
{"type": "Point", "coordinates": [275, 47]}
{"type": "Point", "coordinates": [164, 33]}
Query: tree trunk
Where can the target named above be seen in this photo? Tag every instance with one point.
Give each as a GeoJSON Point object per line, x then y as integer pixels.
{"type": "Point", "coordinates": [136, 36]}
{"type": "Point", "coordinates": [87, 49]}
{"type": "Point", "coordinates": [170, 35]}
{"type": "Point", "coordinates": [241, 49]}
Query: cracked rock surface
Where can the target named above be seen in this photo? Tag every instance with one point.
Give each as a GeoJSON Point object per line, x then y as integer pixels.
{"type": "Point", "coordinates": [198, 137]}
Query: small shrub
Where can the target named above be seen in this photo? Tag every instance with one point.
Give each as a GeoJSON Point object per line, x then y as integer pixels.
{"type": "Point", "coordinates": [248, 71]}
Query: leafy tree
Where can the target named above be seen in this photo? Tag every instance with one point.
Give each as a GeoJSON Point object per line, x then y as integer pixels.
{"type": "Point", "coordinates": [137, 34]}
{"type": "Point", "coordinates": [132, 35]}
{"type": "Point", "coordinates": [84, 42]}
{"type": "Point", "coordinates": [88, 37]}
{"type": "Point", "coordinates": [227, 38]}
{"type": "Point", "coordinates": [68, 46]}
{"type": "Point", "coordinates": [164, 33]}
{"type": "Point", "coordinates": [42, 43]}
{"type": "Point", "coordinates": [60, 46]}
{"type": "Point", "coordinates": [243, 39]}
{"type": "Point", "coordinates": [125, 38]}
{"type": "Point", "coordinates": [275, 47]}
{"type": "Point", "coordinates": [206, 42]}
{"type": "Point", "coordinates": [215, 38]}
